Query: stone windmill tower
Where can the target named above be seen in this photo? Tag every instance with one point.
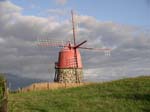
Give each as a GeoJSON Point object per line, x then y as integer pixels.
{"type": "Point", "coordinates": [69, 68]}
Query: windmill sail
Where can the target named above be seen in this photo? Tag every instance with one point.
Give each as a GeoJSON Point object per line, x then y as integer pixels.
{"type": "Point", "coordinates": [50, 43]}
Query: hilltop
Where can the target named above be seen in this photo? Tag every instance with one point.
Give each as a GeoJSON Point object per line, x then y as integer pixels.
{"type": "Point", "coordinates": [126, 95]}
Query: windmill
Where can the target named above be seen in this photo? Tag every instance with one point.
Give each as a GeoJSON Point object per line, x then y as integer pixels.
{"type": "Point", "coordinates": [69, 68]}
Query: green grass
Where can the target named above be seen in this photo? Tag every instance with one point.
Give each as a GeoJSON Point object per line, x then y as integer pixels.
{"type": "Point", "coordinates": [127, 95]}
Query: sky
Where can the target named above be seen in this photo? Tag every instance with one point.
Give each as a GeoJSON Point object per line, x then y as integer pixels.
{"type": "Point", "coordinates": [123, 25]}
{"type": "Point", "coordinates": [135, 12]}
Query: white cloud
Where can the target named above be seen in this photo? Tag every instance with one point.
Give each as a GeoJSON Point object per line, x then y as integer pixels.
{"type": "Point", "coordinates": [61, 2]}
{"type": "Point", "coordinates": [56, 11]}
{"type": "Point", "coordinates": [8, 7]}
{"type": "Point", "coordinates": [2, 40]}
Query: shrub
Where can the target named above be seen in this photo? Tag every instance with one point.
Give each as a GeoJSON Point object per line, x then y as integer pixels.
{"type": "Point", "coordinates": [3, 95]}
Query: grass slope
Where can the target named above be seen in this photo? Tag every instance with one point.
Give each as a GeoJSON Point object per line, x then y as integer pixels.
{"type": "Point", "coordinates": [127, 95]}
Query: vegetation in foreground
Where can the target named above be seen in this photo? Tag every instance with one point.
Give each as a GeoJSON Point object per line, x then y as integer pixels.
{"type": "Point", "coordinates": [127, 95]}
{"type": "Point", "coordinates": [1, 89]}
{"type": "Point", "coordinates": [3, 94]}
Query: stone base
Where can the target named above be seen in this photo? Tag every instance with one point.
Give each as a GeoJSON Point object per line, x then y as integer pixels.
{"type": "Point", "coordinates": [72, 75]}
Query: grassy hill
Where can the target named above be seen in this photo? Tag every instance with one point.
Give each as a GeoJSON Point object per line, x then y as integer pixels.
{"type": "Point", "coordinates": [127, 95]}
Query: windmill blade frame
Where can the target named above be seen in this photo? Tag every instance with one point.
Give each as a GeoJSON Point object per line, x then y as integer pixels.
{"type": "Point", "coordinates": [50, 43]}
{"type": "Point", "coordinates": [95, 49]}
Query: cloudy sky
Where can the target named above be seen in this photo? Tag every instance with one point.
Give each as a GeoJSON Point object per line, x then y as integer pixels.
{"type": "Point", "coordinates": [123, 25]}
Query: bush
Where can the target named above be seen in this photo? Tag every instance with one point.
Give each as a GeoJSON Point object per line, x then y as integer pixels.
{"type": "Point", "coordinates": [1, 89]}
{"type": "Point", "coordinates": [3, 95]}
